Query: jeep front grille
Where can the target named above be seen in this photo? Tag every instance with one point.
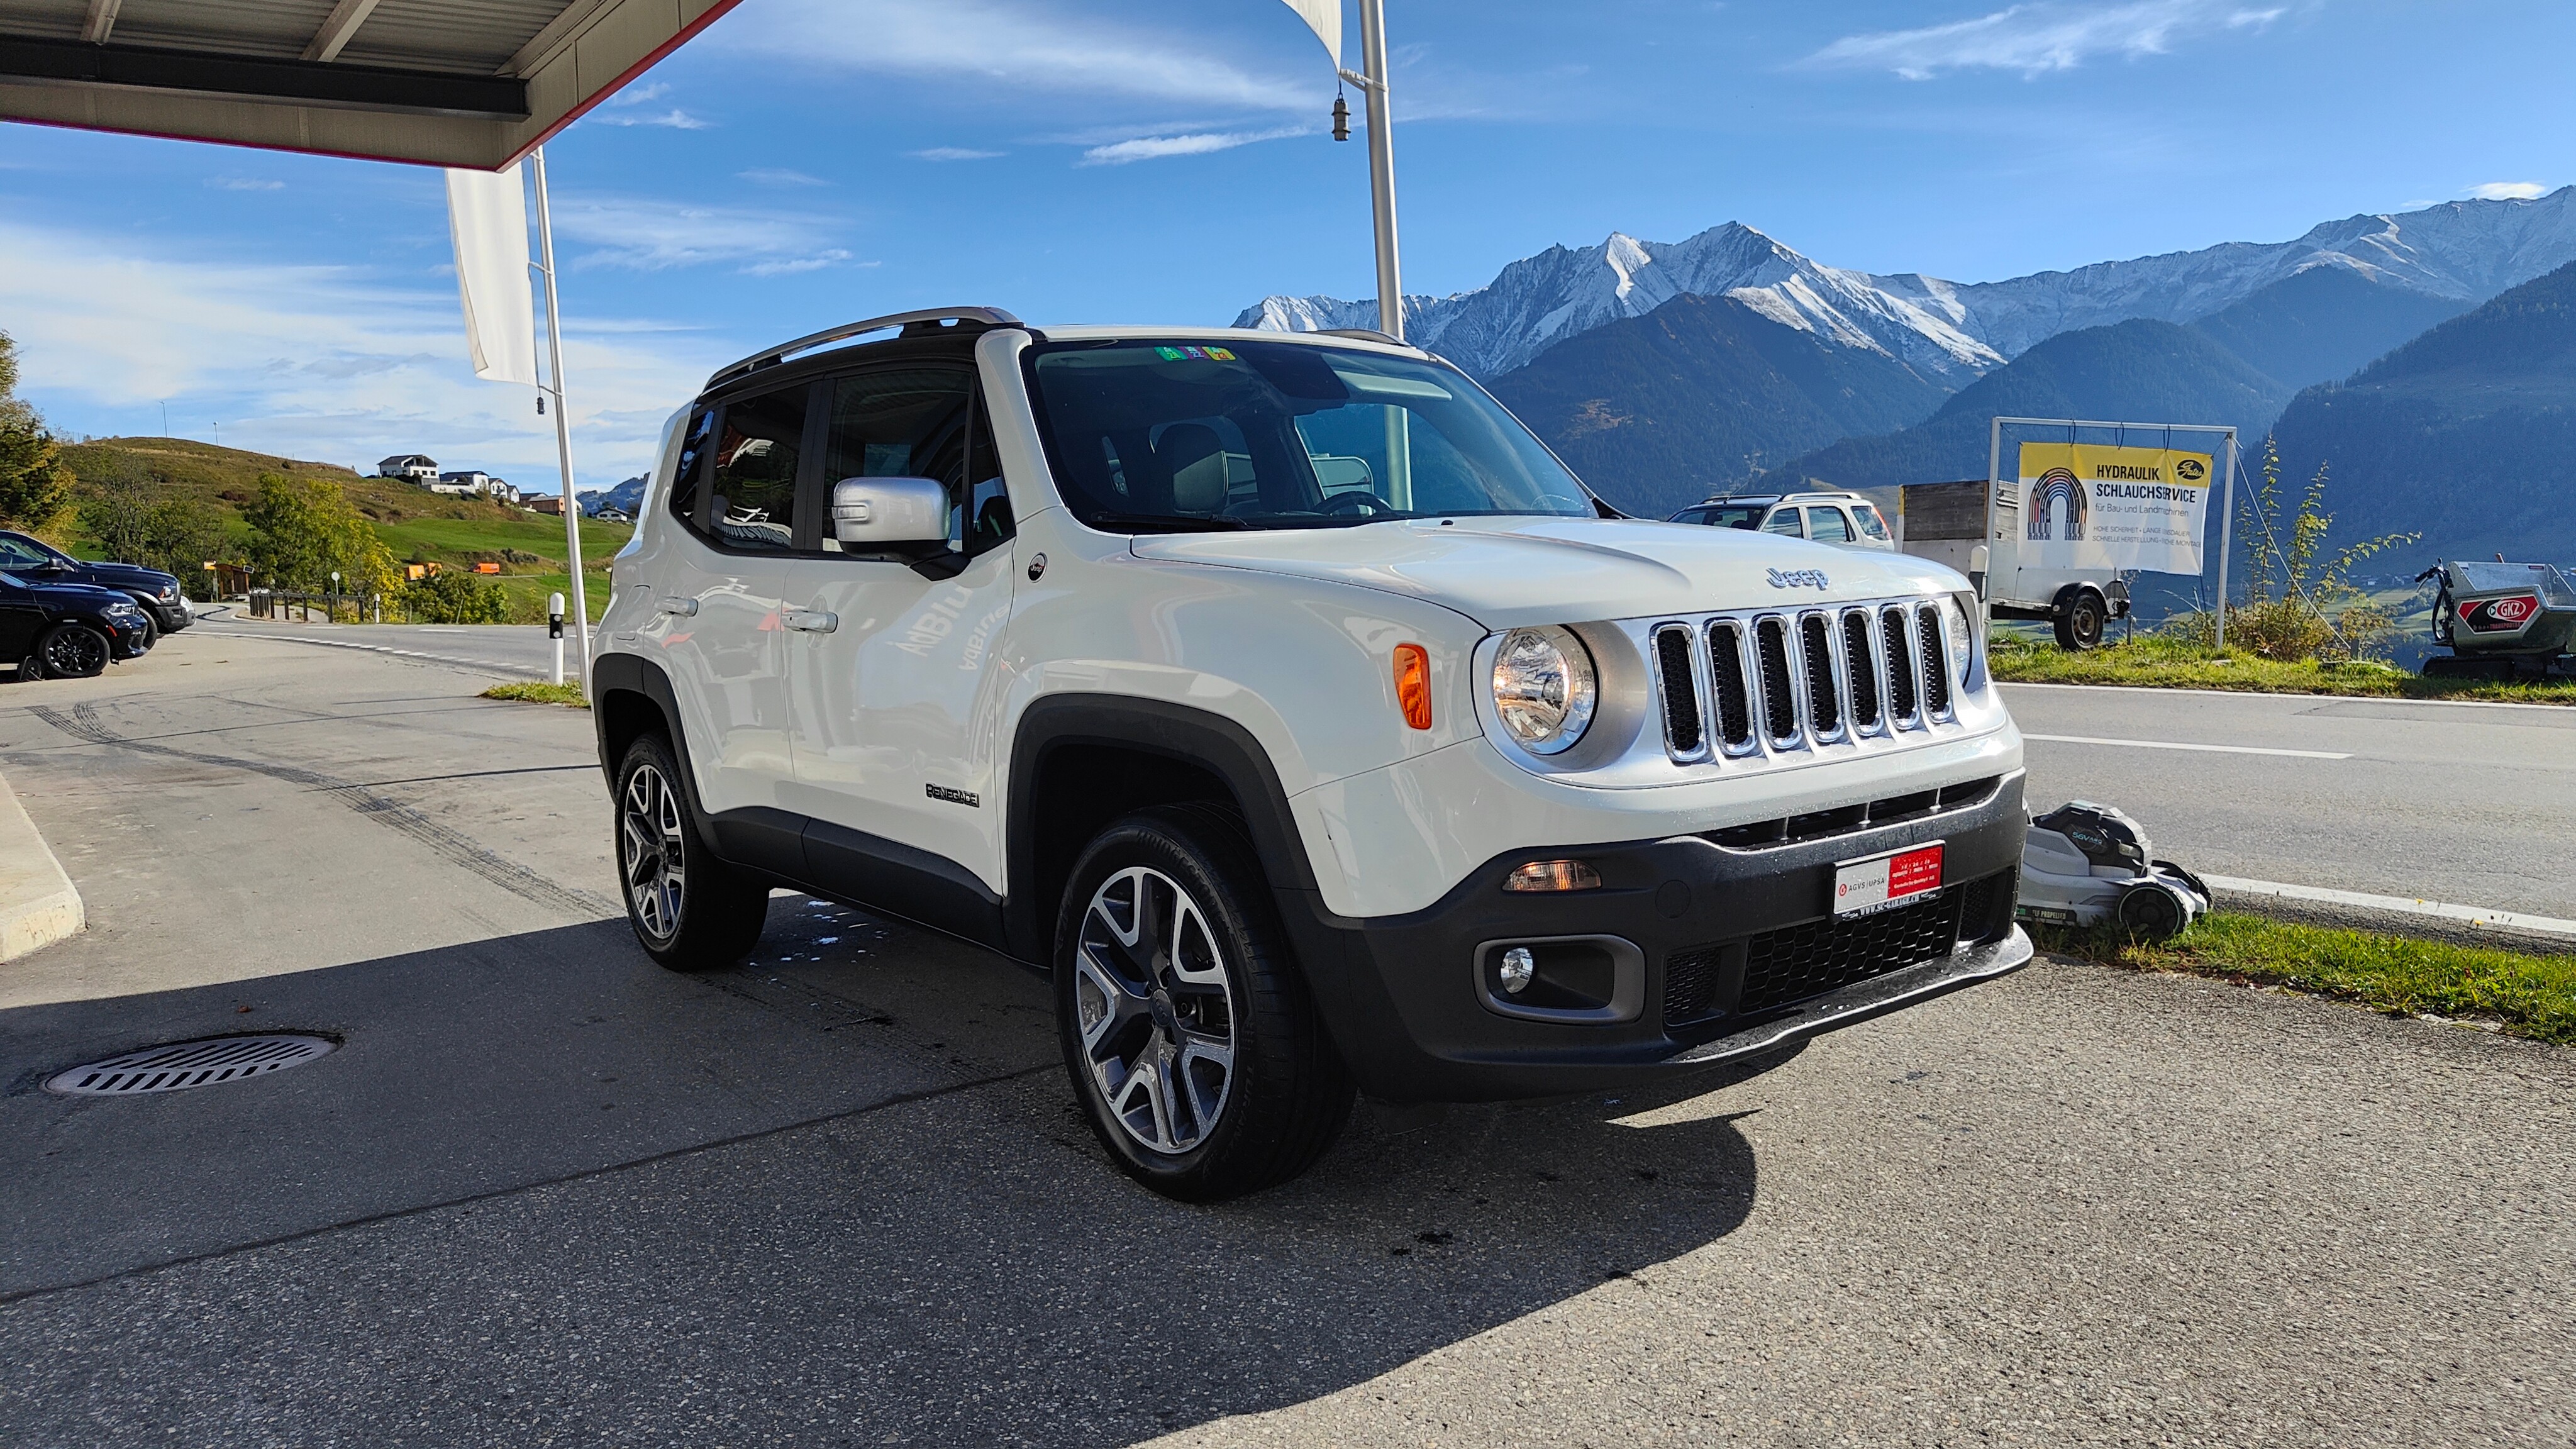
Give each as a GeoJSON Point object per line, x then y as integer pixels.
{"type": "Point", "coordinates": [1792, 680]}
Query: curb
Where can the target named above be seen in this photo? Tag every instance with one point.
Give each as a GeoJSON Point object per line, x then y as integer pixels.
{"type": "Point", "coordinates": [38, 905]}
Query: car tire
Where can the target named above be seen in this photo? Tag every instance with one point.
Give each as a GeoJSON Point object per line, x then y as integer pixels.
{"type": "Point", "coordinates": [690, 911]}
{"type": "Point", "coordinates": [151, 630]}
{"type": "Point", "coordinates": [73, 651]}
{"type": "Point", "coordinates": [2080, 623]}
{"type": "Point", "coordinates": [1188, 1032]}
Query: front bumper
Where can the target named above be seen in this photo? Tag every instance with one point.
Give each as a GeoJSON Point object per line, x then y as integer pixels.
{"type": "Point", "coordinates": [1736, 950]}
{"type": "Point", "coordinates": [171, 617]}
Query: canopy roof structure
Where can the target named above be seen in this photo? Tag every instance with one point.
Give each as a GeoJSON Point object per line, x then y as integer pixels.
{"type": "Point", "coordinates": [463, 83]}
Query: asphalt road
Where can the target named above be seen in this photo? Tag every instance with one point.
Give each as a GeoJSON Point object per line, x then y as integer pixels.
{"type": "Point", "coordinates": [547, 1193]}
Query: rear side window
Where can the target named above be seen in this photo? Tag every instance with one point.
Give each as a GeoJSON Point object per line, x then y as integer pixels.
{"type": "Point", "coordinates": [753, 502]}
{"type": "Point", "coordinates": [1784, 520]}
{"type": "Point", "coordinates": [1869, 521]}
{"type": "Point", "coordinates": [692, 466]}
{"type": "Point", "coordinates": [1827, 525]}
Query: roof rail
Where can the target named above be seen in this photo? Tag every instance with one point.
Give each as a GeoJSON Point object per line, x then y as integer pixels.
{"type": "Point", "coordinates": [772, 356]}
{"type": "Point", "coordinates": [1364, 334]}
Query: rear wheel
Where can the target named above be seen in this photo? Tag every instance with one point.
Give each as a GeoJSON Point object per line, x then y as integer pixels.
{"type": "Point", "coordinates": [690, 911]}
{"type": "Point", "coordinates": [1187, 1030]}
{"type": "Point", "coordinates": [72, 651]}
{"type": "Point", "coordinates": [2080, 623]}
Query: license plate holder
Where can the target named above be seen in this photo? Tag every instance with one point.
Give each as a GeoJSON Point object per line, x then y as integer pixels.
{"type": "Point", "coordinates": [1887, 880]}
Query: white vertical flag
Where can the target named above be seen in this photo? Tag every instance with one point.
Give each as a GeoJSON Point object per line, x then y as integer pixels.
{"type": "Point", "coordinates": [1324, 17]}
{"type": "Point", "coordinates": [487, 214]}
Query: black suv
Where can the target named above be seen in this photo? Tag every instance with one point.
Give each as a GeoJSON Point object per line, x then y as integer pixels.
{"type": "Point", "coordinates": [37, 562]}
{"type": "Point", "coordinates": [68, 631]}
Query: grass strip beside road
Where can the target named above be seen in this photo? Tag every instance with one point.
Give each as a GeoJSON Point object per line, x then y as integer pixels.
{"type": "Point", "coordinates": [2532, 995]}
{"type": "Point", "coordinates": [2154, 662]}
{"type": "Point", "coordinates": [537, 691]}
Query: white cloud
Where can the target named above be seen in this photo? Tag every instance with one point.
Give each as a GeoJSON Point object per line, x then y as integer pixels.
{"type": "Point", "coordinates": [1026, 45]}
{"type": "Point", "coordinates": [244, 183]}
{"type": "Point", "coordinates": [790, 266]}
{"type": "Point", "coordinates": [316, 362]}
{"type": "Point", "coordinates": [2508, 190]}
{"type": "Point", "coordinates": [776, 176]}
{"type": "Point", "coordinates": [1153, 148]}
{"type": "Point", "coordinates": [646, 235]}
{"type": "Point", "coordinates": [954, 153]}
{"type": "Point", "coordinates": [641, 95]}
{"type": "Point", "coordinates": [2037, 38]}
{"type": "Point", "coordinates": [675, 118]}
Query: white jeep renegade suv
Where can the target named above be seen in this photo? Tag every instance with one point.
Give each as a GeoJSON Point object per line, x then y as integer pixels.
{"type": "Point", "coordinates": [1298, 713]}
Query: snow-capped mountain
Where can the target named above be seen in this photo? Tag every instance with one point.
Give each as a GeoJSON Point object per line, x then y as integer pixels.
{"type": "Point", "coordinates": [2466, 250]}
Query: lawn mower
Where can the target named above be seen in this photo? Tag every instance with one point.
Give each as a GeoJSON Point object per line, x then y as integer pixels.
{"type": "Point", "coordinates": [2090, 865]}
{"type": "Point", "coordinates": [2501, 620]}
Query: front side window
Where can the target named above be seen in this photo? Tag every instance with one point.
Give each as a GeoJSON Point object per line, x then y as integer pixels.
{"type": "Point", "coordinates": [16, 554]}
{"type": "Point", "coordinates": [1168, 436]}
{"type": "Point", "coordinates": [921, 422]}
{"type": "Point", "coordinates": [753, 487]}
{"type": "Point", "coordinates": [1827, 525]}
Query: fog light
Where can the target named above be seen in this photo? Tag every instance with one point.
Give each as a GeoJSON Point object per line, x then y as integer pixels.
{"type": "Point", "coordinates": [1518, 967]}
{"type": "Point", "coordinates": [1553, 875]}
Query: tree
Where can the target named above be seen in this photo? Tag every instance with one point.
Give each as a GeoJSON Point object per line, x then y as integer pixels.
{"type": "Point", "coordinates": [303, 530]}
{"type": "Point", "coordinates": [455, 598]}
{"type": "Point", "coordinates": [128, 519]}
{"type": "Point", "coordinates": [34, 483]}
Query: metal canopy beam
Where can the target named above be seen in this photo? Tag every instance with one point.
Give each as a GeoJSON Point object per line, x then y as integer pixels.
{"type": "Point", "coordinates": [357, 87]}
{"type": "Point", "coordinates": [475, 85]}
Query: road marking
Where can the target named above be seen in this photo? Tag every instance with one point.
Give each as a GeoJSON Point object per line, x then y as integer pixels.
{"type": "Point", "coordinates": [2474, 915]}
{"type": "Point", "coordinates": [2282, 697]}
{"type": "Point", "coordinates": [2179, 745]}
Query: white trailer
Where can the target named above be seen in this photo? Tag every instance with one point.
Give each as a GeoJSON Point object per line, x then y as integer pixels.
{"type": "Point", "coordinates": [1976, 527]}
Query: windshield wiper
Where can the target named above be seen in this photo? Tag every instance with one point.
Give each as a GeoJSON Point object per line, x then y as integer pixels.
{"type": "Point", "coordinates": [1167, 523]}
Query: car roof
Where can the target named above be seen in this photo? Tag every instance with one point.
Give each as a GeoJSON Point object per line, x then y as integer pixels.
{"type": "Point", "coordinates": [1812, 495]}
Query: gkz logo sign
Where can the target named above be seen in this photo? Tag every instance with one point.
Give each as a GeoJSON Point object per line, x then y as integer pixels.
{"type": "Point", "coordinates": [2055, 486]}
{"type": "Point", "coordinates": [2500, 616]}
{"type": "Point", "coordinates": [1798, 579]}
{"type": "Point", "coordinates": [2190, 470]}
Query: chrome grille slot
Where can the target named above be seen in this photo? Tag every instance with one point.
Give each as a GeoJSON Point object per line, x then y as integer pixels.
{"type": "Point", "coordinates": [1899, 654]}
{"type": "Point", "coordinates": [1684, 732]}
{"type": "Point", "coordinates": [1824, 700]}
{"type": "Point", "coordinates": [1779, 703]}
{"type": "Point", "coordinates": [1862, 665]}
{"type": "Point", "coordinates": [1936, 673]}
{"type": "Point", "coordinates": [1726, 672]}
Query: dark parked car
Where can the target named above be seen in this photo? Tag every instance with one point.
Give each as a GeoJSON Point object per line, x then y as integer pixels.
{"type": "Point", "coordinates": [69, 631]}
{"type": "Point", "coordinates": [39, 562]}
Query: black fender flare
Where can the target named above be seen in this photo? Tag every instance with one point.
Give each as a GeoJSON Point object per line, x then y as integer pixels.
{"type": "Point", "coordinates": [629, 674]}
{"type": "Point", "coordinates": [1195, 737]}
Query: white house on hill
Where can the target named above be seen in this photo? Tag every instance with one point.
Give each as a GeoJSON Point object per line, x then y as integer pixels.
{"type": "Point", "coordinates": [411, 467]}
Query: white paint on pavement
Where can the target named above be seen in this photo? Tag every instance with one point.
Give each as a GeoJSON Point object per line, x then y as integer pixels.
{"type": "Point", "coordinates": [2474, 915]}
{"type": "Point", "coordinates": [2180, 745]}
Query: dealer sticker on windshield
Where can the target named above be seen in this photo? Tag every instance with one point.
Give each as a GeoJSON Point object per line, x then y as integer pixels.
{"type": "Point", "coordinates": [1884, 882]}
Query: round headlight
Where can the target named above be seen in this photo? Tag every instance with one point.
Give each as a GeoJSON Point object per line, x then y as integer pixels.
{"type": "Point", "coordinates": [1544, 688]}
{"type": "Point", "coordinates": [1955, 629]}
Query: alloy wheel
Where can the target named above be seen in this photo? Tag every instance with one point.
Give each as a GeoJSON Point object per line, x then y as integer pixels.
{"type": "Point", "coordinates": [74, 653]}
{"type": "Point", "coordinates": [1156, 1010]}
{"type": "Point", "coordinates": [652, 834]}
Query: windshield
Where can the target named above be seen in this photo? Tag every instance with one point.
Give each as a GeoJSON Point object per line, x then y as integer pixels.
{"type": "Point", "coordinates": [1176, 437]}
{"type": "Point", "coordinates": [1734, 515]}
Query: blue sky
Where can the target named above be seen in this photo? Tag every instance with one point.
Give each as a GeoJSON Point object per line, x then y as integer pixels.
{"type": "Point", "coordinates": [809, 161]}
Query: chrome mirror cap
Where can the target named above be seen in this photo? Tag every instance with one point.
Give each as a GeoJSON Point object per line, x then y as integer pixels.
{"type": "Point", "coordinates": [877, 512]}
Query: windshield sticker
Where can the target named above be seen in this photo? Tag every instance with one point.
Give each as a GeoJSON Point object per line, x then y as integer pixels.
{"type": "Point", "coordinates": [1194, 354]}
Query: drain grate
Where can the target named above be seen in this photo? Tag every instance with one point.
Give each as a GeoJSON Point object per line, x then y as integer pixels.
{"type": "Point", "coordinates": [181, 1065]}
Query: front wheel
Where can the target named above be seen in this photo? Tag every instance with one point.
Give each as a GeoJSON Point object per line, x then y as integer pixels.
{"type": "Point", "coordinates": [690, 911]}
{"type": "Point", "coordinates": [72, 651]}
{"type": "Point", "coordinates": [1187, 1030]}
{"type": "Point", "coordinates": [2080, 626]}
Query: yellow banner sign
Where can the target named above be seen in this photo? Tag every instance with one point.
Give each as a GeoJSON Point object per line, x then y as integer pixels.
{"type": "Point", "coordinates": [2085, 506]}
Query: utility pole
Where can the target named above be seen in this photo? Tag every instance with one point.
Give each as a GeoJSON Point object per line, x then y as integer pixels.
{"type": "Point", "coordinates": [563, 421]}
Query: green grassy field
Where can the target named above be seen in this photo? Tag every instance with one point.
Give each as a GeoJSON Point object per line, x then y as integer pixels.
{"type": "Point", "coordinates": [418, 525]}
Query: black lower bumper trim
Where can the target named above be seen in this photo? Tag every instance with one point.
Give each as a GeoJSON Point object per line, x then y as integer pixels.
{"type": "Point", "coordinates": [1860, 1001]}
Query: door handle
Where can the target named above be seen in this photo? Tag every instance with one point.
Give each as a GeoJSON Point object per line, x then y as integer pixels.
{"type": "Point", "coordinates": [811, 621]}
{"type": "Point", "coordinates": [682, 607]}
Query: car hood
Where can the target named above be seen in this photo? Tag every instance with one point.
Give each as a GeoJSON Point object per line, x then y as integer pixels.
{"type": "Point", "coordinates": [72, 598]}
{"type": "Point", "coordinates": [1510, 572]}
{"type": "Point", "coordinates": [127, 576]}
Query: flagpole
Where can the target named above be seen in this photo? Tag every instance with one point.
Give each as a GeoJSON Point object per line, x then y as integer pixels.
{"type": "Point", "coordinates": [1381, 139]}
{"type": "Point", "coordinates": [563, 422]}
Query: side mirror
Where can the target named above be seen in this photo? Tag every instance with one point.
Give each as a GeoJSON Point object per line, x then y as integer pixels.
{"type": "Point", "coordinates": [882, 512]}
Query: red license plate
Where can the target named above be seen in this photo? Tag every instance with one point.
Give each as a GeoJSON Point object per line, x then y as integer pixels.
{"type": "Point", "coordinates": [1884, 881]}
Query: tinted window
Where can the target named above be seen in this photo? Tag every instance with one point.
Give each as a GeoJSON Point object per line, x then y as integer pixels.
{"type": "Point", "coordinates": [1869, 521]}
{"type": "Point", "coordinates": [754, 485]}
{"type": "Point", "coordinates": [1784, 521]}
{"type": "Point", "coordinates": [1281, 435]}
{"type": "Point", "coordinates": [1735, 515]}
{"type": "Point", "coordinates": [1827, 525]}
{"type": "Point", "coordinates": [17, 555]}
{"type": "Point", "coordinates": [692, 467]}
{"type": "Point", "coordinates": [921, 422]}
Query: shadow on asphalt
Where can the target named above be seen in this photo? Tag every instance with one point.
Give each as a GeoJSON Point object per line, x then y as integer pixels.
{"type": "Point", "coordinates": [839, 1192]}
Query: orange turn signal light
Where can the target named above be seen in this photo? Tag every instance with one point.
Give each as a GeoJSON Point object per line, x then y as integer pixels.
{"type": "Point", "coordinates": [1413, 684]}
{"type": "Point", "coordinates": [1553, 875]}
